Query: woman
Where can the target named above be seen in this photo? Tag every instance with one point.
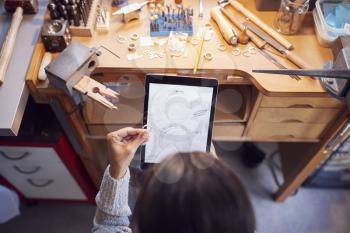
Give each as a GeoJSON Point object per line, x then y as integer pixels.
{"type": "Point", "coordinates": [186, 193]}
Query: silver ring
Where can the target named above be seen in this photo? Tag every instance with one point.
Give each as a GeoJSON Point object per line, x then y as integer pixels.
{"type": "Point", "coordinates": [252, 50]}
{"type": "Point", "coordinates": [222, 47]}
{"type": "Point", "coordinates": [135, 36]}
{"type": "Point", "coordinates": [246, 53]}
{"type": "Point", "coordinates": [121, 39]}
{"type": "Point", "coordinates": [236, 51]}
{"type": "Point", "coordinates": [194, 41]}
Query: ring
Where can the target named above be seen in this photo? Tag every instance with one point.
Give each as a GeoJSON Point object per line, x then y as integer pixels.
{"type": "Point", "coordinates": [222, 47]}
{"type": "Point", "coordinates": [252, 50]}
{"type": "Point", "coordinates": [135, 36]}
{"type": "Point", "coordinates": [208, 56]}
{"type": "Point", "coordinates": [121, 39]}
{"type": "Point", "coordinates": [194, 41]}
{"type": "Point", "coordinates": [246, 53]}
{"type": "Point", "coordinates": [236, 51]}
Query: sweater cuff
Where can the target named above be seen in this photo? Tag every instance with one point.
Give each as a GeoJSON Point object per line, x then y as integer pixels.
{"type": "Point", "coordinates": [113, 195]}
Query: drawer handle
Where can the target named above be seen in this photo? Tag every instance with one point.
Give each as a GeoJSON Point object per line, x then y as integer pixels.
{"type": "Point", "coordinates": [292, 121]}
{"type": "Point", "coordinates": [42, 185]}
{"type": "Point", "coordinates": [20, 170]}
{"type": "Point", "coordinates": [284, 136]}
{"type": "Point", "coordinates": [3, 154]}
{"type": "Point", "coordinates": [301, 106]}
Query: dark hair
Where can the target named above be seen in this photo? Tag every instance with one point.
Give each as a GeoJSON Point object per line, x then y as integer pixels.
{"type": "Point", "coordinates": [193, 193]}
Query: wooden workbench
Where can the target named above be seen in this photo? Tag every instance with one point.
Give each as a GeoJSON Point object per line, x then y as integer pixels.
{"type": "Point", "coordinates": [298, 114]}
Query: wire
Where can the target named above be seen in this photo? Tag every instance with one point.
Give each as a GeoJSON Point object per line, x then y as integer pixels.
{"type": "Point", "coordinates": [101, 46]}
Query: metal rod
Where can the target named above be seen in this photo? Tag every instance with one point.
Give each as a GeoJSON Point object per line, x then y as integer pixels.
{"type": "Point", "coordinates": [333, 73]}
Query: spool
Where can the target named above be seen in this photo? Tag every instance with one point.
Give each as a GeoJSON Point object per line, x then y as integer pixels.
{"type": "Point", "coordinates": [132, 47]}
{"type": "Point", "coordinates": [208, 56]}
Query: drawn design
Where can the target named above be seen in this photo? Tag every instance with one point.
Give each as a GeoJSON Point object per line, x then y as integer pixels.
{"type": "Point", "coordinates": [178, 120]}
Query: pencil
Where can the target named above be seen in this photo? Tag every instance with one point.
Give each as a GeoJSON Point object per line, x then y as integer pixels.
{"type": "Point", "coordinates": [199, 53]}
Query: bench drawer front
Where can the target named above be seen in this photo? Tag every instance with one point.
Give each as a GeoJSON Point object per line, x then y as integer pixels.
{"type": "Point", "coordinates": [286, 130]}
{"type": "Point", "coordinates": [296, 115]}
{"type": "Point", "coordinates": [301, 102]}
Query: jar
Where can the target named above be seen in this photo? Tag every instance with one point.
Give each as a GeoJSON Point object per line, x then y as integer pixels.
{"type": "Point", "coordinates": [290, 16]}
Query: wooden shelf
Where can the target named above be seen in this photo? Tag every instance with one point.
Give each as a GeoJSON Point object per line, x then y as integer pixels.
{"type": "Point", "coordinates": [233, 103]}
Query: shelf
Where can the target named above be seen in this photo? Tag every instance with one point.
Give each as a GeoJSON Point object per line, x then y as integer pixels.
{"type": "Point", "coordinates": [233, 103]}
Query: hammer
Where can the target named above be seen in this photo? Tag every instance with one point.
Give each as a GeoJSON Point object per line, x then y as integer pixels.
{"type": "Point", "coordinates": [18, 7]}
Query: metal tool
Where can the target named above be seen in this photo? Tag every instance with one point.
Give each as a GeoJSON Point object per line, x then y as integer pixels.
{"type": "Point", "coordinates": [201, 14]}
{"type": "Point", "coordinates": [292, 56]}
{"type": "Point", "coordinates": [70, 72]}
{"type": "Point", "coordinates": [257, 21]}
{"type": "Point", "coordinates": [19, 7]}
{"type": "Point", "coordinates": [131, 11]}
{"type": "Point", "coordinates": [55, 35]}
{"type": "Point", "coordinates": [276, 62]}
{"type": "Point", "coordinates": [331, 73]}
{"type": "Point", "coordinates": [265, 37]}
{"type": "Point", "coordinates": [335, 77]}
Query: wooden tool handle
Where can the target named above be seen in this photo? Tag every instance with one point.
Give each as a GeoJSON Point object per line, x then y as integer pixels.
{"type": "Point", "coordinates": [300, 62]}
{"type": "Point", "coordinates": [256, 40]}
{"type": "Point", "coordinates": [238, 6]}
{"type": "Point", "coordinates": [224, 26]}
{"type": "Point", "coordinates": [9, 43]}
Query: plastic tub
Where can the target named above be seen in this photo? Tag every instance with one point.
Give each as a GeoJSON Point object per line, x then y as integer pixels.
{"type": "Point", "coordinates": [326, 34]}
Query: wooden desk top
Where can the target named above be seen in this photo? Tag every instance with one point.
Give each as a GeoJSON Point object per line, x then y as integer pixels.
{"type": "Point", "coordinates": [305, 44]}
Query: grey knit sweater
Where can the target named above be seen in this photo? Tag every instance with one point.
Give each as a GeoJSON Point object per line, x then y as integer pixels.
{"type": "Point", "coordinates": [113, 211]}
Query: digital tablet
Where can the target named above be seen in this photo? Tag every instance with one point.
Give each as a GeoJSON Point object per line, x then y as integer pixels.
{"type": "Point", "coordinates": [179, 115]}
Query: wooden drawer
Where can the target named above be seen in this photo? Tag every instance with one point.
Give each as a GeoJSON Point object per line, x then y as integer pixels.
{"type": "Point", "coordinates": [227, 131]}
{"type": "Point", "coordinates": [49, 181]}
{"type": "Point", "coordinates": [300, 102]}
{"type": "Point", "coordinates": [286, 130]}
{"type": "Point", "coordinates": [296, 115]}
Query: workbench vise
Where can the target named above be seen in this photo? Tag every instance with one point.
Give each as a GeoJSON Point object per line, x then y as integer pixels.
{"type": "Point", "coordinates": [70, 72]}
{"type": "Point", "coordinates": [338, 87]}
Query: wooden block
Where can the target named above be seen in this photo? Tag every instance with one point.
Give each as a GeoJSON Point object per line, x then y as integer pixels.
{"type": "Point", "coordinates": [87, 31]}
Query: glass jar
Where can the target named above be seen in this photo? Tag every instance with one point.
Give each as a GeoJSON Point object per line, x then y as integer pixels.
{"type": "Point", "coordinates": [290, 16]}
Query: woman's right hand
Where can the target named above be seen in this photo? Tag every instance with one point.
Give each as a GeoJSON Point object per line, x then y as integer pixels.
{"type": "Point", "coordinates": [122, 145]}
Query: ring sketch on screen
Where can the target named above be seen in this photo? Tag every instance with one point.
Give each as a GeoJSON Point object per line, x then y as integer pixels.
{"type": "Point", "coordinates": [178, 120]}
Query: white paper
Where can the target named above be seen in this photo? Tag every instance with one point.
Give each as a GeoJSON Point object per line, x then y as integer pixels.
{"type": "Point", "coordinates": [178, 120]}
{"type": "Point", "coordinates": [9, 203]}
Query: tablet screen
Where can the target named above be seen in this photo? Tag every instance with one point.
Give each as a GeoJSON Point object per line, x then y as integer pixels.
{"type": "Point", "coordinates": [178, 119]}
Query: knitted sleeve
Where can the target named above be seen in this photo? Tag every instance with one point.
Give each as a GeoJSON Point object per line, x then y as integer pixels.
{"type": "Point", "coordinates": [112, 213]}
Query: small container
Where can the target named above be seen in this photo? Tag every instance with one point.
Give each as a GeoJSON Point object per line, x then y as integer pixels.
{"type": "Point", "coordinates": [119, 3]}
{"type": "Point", "coordinates": [326, 34]}
{"type": "Point", "coordinates": [290, 16]}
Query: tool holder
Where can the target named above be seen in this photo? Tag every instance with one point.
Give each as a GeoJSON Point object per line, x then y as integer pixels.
{"type": "Point", "coordinates": [87, 31]}
{"type": "Point", "coordinates": [70, 72]}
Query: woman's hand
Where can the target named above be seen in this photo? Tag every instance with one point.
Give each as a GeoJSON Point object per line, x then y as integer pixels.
{"type": "Point", "coordinates": [122, 145]}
